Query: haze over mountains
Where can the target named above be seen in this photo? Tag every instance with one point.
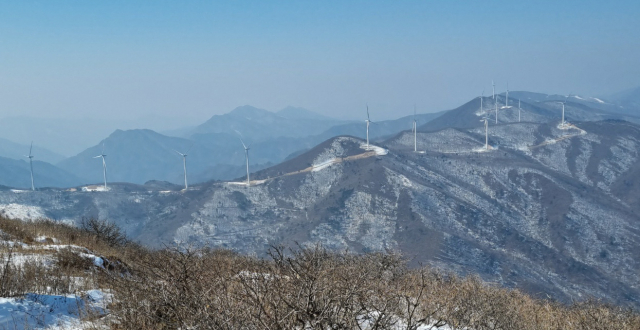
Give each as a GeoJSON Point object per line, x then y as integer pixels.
{"type": "Point", "coordinates": [215, 153]}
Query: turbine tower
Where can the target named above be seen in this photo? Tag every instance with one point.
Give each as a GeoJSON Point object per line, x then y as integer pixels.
{"type": "Point", "coordinates": [246, 156]}
{"type": "Point", "coordinates": [519, 108]}
{"type": "Point", "coordinates": [104, 166]}
{"type": "Point", "coordinates": [184, 163]}
{"type": "Point", "coordinates": [563, 103]}
{"type": "Point", "coordinates": [486, 132]}
{"type": "Point", "coordinates": [368, 121]}
{"type": "Point", "coordinates": [494, 89]}
{"type": "Point", "coordinates": [31, 165]}
{"type": "Point", "coordinates": [415, 130]}
{"type": "Point", "coordinates": [506, 104]}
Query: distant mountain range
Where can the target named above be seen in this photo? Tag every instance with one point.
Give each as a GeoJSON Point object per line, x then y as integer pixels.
{"type": "Point", "coordinates": [535, 107]}
{"type": "Point", "coordinates": [139, 155]}
{"type": "Point", "coordinates": [547, 209]}
{"type": "Point", "coordinates": [215, 151]}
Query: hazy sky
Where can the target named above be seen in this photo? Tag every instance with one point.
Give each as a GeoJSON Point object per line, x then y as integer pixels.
{"type": "Point", "coordinates": [199, 58]}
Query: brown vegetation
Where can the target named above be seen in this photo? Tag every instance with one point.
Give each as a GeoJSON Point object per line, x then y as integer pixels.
{"type": "Point", "coordinates": [303, 288]}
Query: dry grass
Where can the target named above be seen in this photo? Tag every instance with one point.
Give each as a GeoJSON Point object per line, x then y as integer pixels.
{"type": "Point", "coordinates": [304, 288]}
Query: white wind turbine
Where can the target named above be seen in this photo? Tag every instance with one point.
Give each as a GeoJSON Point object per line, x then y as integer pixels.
{"type": "Point", "coordinates": [184, 163]}
{"type": "Point", "coordinates": [486, 132]}
{"type": "Point", "coordinates": [496, 111]}
{"type": "Point", "coordinates": [31, 165]}
{"type": "Point", "coordinates": [104, 166]}
{"type": "Point", "coordinates": [506, 104]}
{"type": "Point", "coordinates": [494, 89]}
{"type": "Point", "coordinates": [368, 121]}
{"type": "Point", "coordinates": [246, 156]}
{"type": "Point", "coordinates": [415, 130]}
{"type": "Point", "coordinates": [519, 109]}
{"type": "Point", "coordinates": [563, 103]}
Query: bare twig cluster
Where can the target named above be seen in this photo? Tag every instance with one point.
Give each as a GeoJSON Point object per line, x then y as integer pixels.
{"type": "Point", "coordinates": [312, 288]}
{"type": "Point", "coordinates": [304, 288]}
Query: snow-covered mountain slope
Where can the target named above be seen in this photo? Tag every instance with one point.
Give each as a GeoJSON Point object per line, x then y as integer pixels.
{"type": "Point", "coordinates": [549, 209]}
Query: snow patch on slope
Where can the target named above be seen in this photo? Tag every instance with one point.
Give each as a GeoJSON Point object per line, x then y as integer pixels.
{"type": "Point", "coordinates": [21, 212]}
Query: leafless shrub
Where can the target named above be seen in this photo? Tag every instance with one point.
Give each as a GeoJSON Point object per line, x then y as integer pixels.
{"type": "Point", "coordinates": [70, 260]}
{"type": "Point", "coordinates": [303, 288]}
{"type": "Point", "coordinates": [104, 230]}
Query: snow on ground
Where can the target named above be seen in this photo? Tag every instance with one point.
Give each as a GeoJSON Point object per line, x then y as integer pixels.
{"type": "Point", "coordinates": [598, 100]}
{"type": "Point", "coordinates": [97, 261]}
{"type": "Point", "coordinates": [368, 321]}
{"type": "Point", "coordinates": [45, 239]}
{"type": "Point", "coordinates": [20, 259]}
{"type": "Point", "coordinates": [21, 212]}
{"type": "Point", "coordinates": [483, 149]}
{"type": "Point", "coordinates": [379, 151]}
{"type": "Point", "coordinates": [35, 311]}
{"type": "Point", "coordinates": [244, 183]}
{"type": "Point", "coordinates": [323, 165]}
{"type": "Point", "coordinates": [95, 188]}
{"type": "Point", "coordinates": [577, 97]}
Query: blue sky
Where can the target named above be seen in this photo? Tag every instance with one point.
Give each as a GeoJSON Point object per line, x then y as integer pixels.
{"type": "Point", "coordinates": [199, 58]}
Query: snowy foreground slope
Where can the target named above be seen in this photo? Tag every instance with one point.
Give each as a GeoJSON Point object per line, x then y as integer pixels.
{"type": "Point", "coordinates": [547, 208]}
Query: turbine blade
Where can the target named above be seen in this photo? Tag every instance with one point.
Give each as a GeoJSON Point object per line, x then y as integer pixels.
{"type": "Point", "coordinates": [240, 137]}
{"type": "Point", "coordinates": [369, 119]}
{"type": "Point", "coordinates": [193, 144]}
{"type": "Point", "coordinates": [30, 148]}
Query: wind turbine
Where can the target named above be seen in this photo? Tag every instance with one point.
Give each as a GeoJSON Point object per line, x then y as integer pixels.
{"type": "Point", "coordinates": [31, 165]}
{"type": "Point", "coordinates": [246, 156]}
{"type": "Point", "coordinates": [494, 89]}
{"type": "Point", "coordinates": [519, 108]}
{"type": "Point", "coordinates": [368, 121]}
{"type": "Point", "coordinates": [415, 130]}
{"type": "Point", "coordinates": [486, 132]}
{"type": "Point", "coordinates": [563, 103]}
{"type": "Point", "coordinates": [104, 166]}
{"type": "Point", "coordinates": [184, 163]}
{"type": "Point", "coordinates": [506, 104]}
